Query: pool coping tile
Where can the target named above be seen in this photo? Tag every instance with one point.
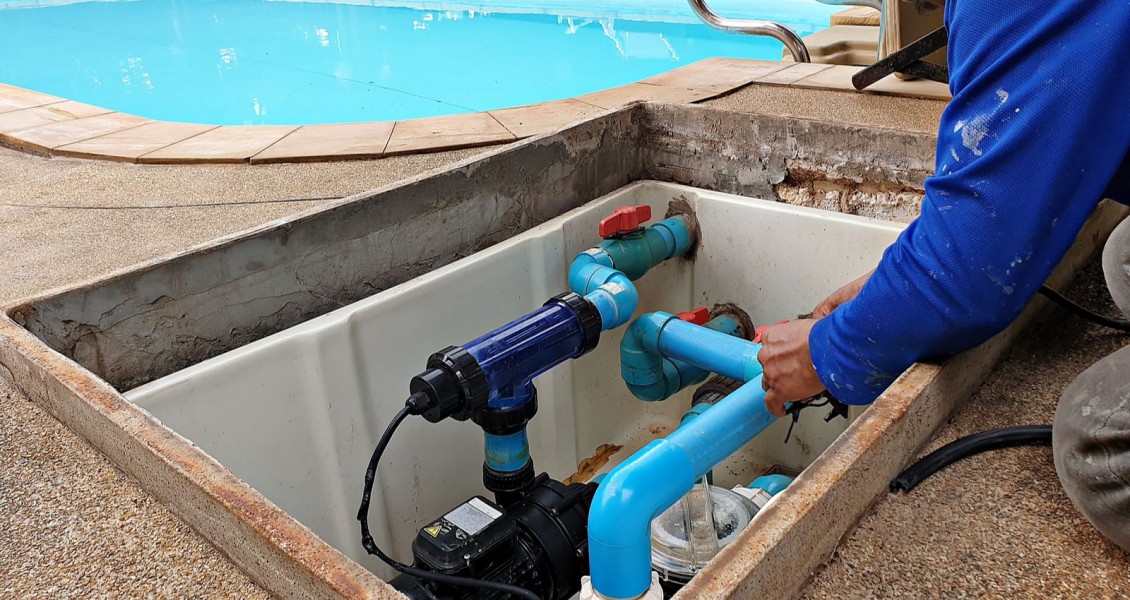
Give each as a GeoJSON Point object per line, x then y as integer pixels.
{"type": "Point", "coordinates": [45, 138]}
{"type": "Point", "coordinates": [20, 120]}
{"type": "Point", "coordinates": [911, 88]}
{"type": "Point", "coordinates": [16, 121]}
{"type": "Point", "coordinates": [639, 91]}
{"type": "Point", "coordinates": [719, 75]}
{"type": "Point", "coordinates": [16, 98]}
{"type": "Point", "coordinates": [839, 78]}
{"type": "Point", "coordinates": [535, 119]}
{"type": "Point", "coordinates": [338, 141]}
{"type": "Point", "coordinates": [41, 123]}
{"type": "Point", "coordinates": [224, 144]}
{"type": "Point", "coordinates": [130, 144]}
{"type": "Point", "coordinates": [450, 132]}
{"type": "Point", "coordinates": [793, 73]}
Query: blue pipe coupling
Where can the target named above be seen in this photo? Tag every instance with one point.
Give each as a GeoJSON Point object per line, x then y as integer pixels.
{"type": "Point", "coordinates": [507, 453]}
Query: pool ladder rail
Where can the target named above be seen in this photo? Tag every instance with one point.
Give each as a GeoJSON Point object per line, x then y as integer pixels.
{"type": "Point", "coordinates": [781, 33]}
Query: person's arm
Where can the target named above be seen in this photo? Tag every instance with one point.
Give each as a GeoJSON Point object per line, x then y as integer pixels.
{"type": "Point", "coordinates": [840, 296]}
{"type": "Point", "coordinates": [1037, 128]}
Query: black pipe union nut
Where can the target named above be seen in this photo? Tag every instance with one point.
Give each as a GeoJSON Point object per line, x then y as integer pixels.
{"type": "Point", "coordinates": [506, 421]}
{"type": "Point", "coordinates": [587, 314]}
{"type": "Point", "coordinates": [454, 384]}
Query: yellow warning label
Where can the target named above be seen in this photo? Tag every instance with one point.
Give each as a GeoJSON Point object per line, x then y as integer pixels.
{"type": "Point", "coordinates": [433, 530]}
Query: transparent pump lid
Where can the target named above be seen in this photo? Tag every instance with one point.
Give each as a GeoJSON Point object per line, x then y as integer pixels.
{"type": "Point", "coordinates": [689, 534]}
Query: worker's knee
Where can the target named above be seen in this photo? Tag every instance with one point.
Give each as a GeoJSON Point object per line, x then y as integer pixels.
{"type": "Point", "coordinates": [1091, 443]}
{"type": "Point", "coordinates": [1116, 265]}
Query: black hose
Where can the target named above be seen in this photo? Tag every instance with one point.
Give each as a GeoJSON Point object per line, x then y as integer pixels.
{"type": "Point", "coordinates": [1005, 437]}
{"type": "Point", "coordinates": [371, 546]}
{"type": "Point", "coordinates": [1087, 314]}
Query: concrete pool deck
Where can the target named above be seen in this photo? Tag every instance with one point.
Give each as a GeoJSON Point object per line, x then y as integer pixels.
{"type": "Point", "coordinates": [48, 125]}
{"type": "Point", "coordinates": [70, 221]}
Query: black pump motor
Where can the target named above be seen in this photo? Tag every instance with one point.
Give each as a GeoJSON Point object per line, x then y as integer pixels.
{"type": "Point", "coordinates": [538, 541]}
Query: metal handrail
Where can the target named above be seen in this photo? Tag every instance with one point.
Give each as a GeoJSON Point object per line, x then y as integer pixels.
{"type": "Point", "coordinates": [786, 36]}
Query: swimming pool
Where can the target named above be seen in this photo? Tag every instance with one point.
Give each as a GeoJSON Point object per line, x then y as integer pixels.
{"type": "Point", "coordinates": [231, 62]}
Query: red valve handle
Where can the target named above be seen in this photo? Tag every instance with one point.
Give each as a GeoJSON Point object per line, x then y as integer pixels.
{"type": "Point", "coordinates": [698, 316]}
{"type": "Point", "coordinates": [757, 331]}
{"type": "Point", "coordinates": [625, 219]}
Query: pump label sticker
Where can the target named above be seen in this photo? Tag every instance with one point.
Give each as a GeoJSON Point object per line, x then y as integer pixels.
{"type": "Point", "coordinates": [486, 508]}
{"type": "Point", "coordinates": [434, 530]}
{"type": "Point", "coordinates": [472, 516]}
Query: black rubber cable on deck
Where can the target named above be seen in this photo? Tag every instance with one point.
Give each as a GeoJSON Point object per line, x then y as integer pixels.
{"type": "Point", "coordinates": [1085, 313]}
{"type": "Point", "coordinates": [370, 545]}
{"type": "Point", "coordinates": [1005, 437]}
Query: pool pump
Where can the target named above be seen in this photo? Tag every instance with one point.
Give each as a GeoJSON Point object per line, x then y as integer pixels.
{"type": "Point", "coordinates": [536, 542]}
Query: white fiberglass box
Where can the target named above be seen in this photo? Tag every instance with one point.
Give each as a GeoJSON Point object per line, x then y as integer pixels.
{"type": "Point", "coordinates": [296, 414]}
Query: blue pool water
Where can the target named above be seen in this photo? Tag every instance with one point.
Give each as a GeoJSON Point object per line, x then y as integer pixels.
{"type": "Point", "coordinates": [284, 62]}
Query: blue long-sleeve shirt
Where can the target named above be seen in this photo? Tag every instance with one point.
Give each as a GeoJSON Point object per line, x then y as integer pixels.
{"type": "Point", "coordinates": [1037, 133]}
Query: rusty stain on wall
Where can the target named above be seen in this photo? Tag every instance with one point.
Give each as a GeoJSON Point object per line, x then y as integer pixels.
{"type": "Point", "coordinates": [588, 467]}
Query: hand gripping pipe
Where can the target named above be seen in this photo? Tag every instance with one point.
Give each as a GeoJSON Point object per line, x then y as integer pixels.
{"type": "Point", "coordinates": [655, 477]}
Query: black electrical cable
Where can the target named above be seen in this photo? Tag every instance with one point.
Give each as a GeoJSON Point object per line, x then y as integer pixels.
{"type": "Point", "coordinates": [1064, 301]}
{"type": "Point", "coordinates": [1005, 437]}
{"type": "Point", "coordinates": [414, 407]}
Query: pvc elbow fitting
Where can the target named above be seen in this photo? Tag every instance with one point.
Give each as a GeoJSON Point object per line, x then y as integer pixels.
{"type": "Point", "coordinates": [584, 267]}
{"type": "Point", "coordinates": [620, 517]}
{"type": "Point", "coordinates": [615, 297]}
{"type": "Point", "coordinates": [654, 478]}
{"type": "Point", "coordinates": [653, 385]}
{"type": "Point", "coordinates": [651, 376]}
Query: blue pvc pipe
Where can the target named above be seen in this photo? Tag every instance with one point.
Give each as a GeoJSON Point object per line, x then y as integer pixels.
{"type": "Point", "coordinates": [711, 350]}
{"type": "Point", "coordinates": [507, 453]}
{"type": "Point", "coordinates": [583, 268]}
{"type": "Point", "coordinates": [660, 354]}
{"type": "Point", "coordinates": [636, 253]}
{"type": "Point", "coordinates": [594, 273]}
{"type": "Point", "coordinates": [774, 484]}
{"type": "Point", "coordinates": [694, 412]}
{"type": "Point", "coordinates": [615, 297]}
{"type": "Point", "coordinates": [654, 478]}
{"type": "Point", "coordinates": [651, 377]}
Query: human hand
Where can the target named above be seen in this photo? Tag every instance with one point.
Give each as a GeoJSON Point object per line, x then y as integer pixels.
{"type": "Point", "coordinates": [840, 296]}
{"type": "Point", "coordinates": [788, 372]}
